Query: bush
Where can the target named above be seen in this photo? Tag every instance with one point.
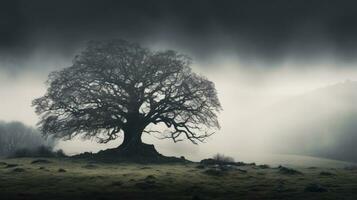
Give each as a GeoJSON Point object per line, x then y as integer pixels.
{"type": "Point", "coordinates": [220, 158]}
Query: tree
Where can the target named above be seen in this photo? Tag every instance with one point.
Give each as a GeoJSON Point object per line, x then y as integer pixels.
{"type": "Point", "coordinates": [117, 87]}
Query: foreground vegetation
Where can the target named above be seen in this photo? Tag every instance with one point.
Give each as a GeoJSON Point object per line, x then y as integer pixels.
{"type": "Point", "coordinates": [33, 178]}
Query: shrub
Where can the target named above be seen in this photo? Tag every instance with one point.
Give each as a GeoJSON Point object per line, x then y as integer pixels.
{"type": "Point", "coordinates": [221, 158]}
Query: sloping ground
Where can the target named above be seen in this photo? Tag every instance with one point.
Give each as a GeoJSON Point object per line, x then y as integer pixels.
{"type": "Point", "coordinates": [71, 179]}
{"type": "Point", "coordinates": [289, 160]}
{"type": "Point", "coordinates": [143, 154]}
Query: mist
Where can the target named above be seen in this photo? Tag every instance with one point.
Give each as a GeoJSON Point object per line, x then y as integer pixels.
{"type": "Point", "coordinates": [257, 119]}
{"type": "Point", "coordinates": [277, 66]}
{"type": "Point", "coordinates": [16, 139]}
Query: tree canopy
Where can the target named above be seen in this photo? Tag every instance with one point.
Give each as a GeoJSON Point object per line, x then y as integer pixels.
{"type": "Point", "coordinates": [116, 87]}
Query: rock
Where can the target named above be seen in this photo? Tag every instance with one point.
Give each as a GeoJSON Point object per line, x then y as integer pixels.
{"type": "Point", "coordinates": [314, 187]}
{"type": "Point", "coordinates": [200, 166]}
{"type": "Point", "coordinates": [41, 161]}
{"type": "Point", "coordinates": [11, 165]}
{"type": "Point", "coordinates": [325, 173]}
{"type": "Point", "coordinates": [18, 170]}
{"type": "Point", "coordinates": [208, 161]}
{"type": "Point", "coordinates": [312, 167]}
{"type": "Point", "coordinates": [145, 168]}
{"type": "Point", "coordinates": [214, 172]}
{"type": "Point", "coordinates": [247, 164]}
{"type": "Point", "coordinates": [150, 179]}
{"type": "Point", "coordinates": [43, 169]}
{"type": "Point", "coordinates": [117, 183]}
{"type": "Point", "coordinates": [90, 166]}
{"type": "Point", "coordinates": [145, 185]}
{"type": "Point", "coordinates": [195, 197]}
{"type": "Point", "coordinates": [226, 167]}
{"type": "Point", "coordinates": [242, 170]}
{"type": "Point", "coordinates": [288, 171]}
{"type": "Point", "coordinates": [263, 166]}
{"type": "Point", "coordinates": [61, 170]}
{"type": "Point", "coordinates": [211, 161]}
{"type": "Point", "coordinates": [353, 167]}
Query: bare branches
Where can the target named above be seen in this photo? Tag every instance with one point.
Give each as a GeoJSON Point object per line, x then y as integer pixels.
{"type": "Point", "coordinates": [109, 135]}
{"type": "Point", "coordinates": [111, 84]}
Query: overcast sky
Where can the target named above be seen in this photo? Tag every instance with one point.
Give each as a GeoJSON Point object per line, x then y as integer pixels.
{"type": "Point", "coordinates": [263, 30]}
{"type": "Point", "coordinates": [257, 52]}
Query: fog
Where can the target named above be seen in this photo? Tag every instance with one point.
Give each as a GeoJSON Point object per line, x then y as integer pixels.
{"type": "Point", "coordinates": [257, 118]}
{"type": "Point", "coordinates": [17, 139]}
{"type": "Point", "coordinates": [277, 66]}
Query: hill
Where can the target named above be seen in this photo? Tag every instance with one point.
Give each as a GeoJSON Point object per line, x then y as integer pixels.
{"type": "Point", "coordinates": [320, 123]}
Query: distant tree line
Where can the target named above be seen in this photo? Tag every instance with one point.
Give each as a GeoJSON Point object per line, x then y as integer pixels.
{"type": "Point", "coordinates": [15, 136]}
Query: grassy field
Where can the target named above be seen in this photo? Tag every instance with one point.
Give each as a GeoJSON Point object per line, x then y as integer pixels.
{"type": "Point", "coordinates": [74, 179]}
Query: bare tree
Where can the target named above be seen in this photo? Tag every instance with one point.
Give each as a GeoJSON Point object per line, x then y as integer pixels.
{"type": "Point", "coordinates": [117, 87]}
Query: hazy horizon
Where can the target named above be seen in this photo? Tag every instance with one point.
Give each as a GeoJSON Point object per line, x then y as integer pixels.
{"type": "Point", "coordinates": [243, 91]}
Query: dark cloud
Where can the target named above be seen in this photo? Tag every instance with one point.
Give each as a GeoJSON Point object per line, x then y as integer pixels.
{"type": "Point", "coordinates": [267, 30]}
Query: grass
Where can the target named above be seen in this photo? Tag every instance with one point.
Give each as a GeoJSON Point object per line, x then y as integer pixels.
{"type": "Point", "coordinates": [83, 180]}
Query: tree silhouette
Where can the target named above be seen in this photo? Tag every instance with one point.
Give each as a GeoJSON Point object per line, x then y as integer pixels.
{"type": "Point", "coordinates": [117, 87]}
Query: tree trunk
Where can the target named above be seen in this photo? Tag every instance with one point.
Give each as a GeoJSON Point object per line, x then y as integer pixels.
{"type": "Point", "coordinates": [132, 149]}
{"type": "Point", "coordinates": [132, 138]}
{"type": "Point", "coordinates": [133, 146]}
